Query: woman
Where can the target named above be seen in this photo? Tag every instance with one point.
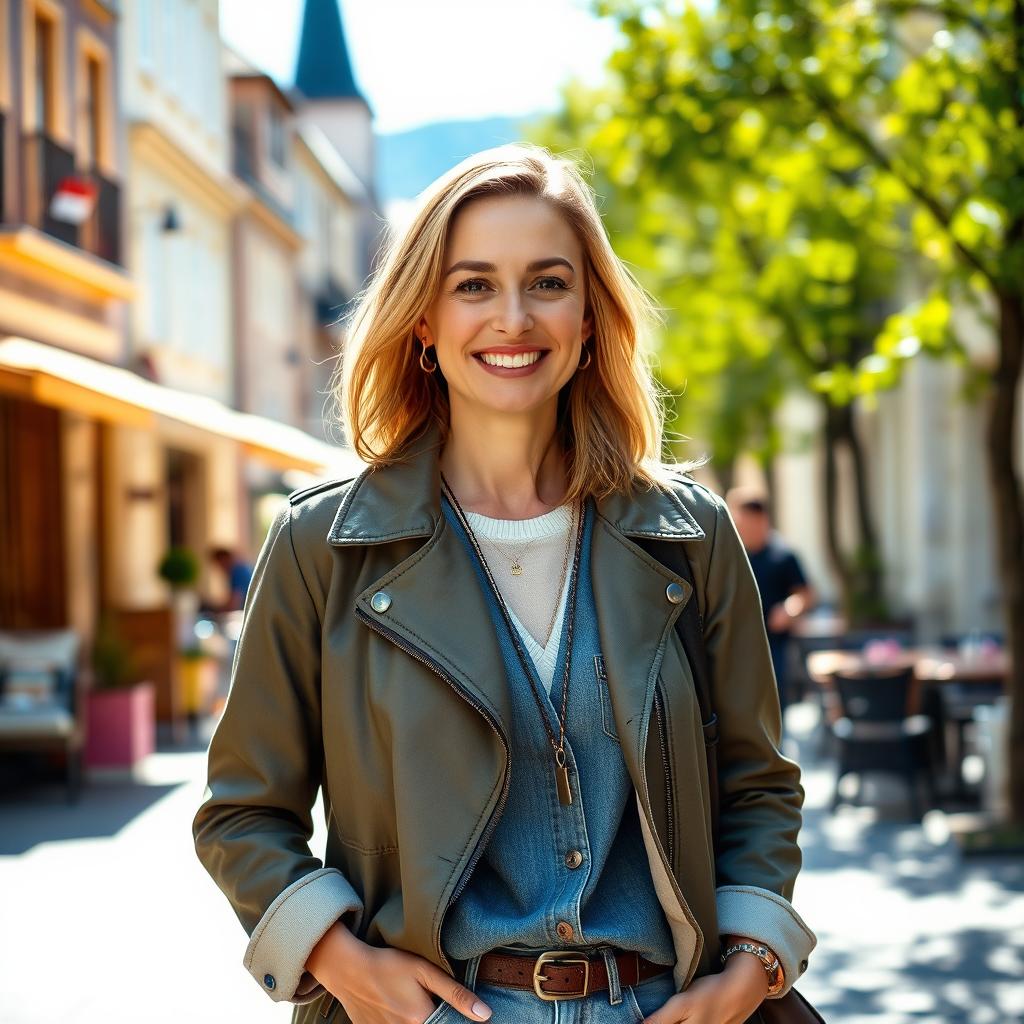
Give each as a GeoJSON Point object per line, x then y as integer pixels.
{"type": "Point", "coordinates": [466, 646]}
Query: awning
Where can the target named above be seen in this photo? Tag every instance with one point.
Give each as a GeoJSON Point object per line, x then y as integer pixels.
{"type": "Point", "coordinates": [65, 380]}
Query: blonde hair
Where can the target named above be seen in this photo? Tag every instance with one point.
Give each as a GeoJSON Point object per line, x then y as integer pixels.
{"type": "Point", "coordinates": [611, 423]}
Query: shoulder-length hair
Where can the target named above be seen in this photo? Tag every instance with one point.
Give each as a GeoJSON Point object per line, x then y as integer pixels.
{"type": "Point", "coordinates": [610, 414]}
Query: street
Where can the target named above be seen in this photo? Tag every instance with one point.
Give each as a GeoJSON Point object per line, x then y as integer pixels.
{"type": "Point", "coordinates": [108, 916]}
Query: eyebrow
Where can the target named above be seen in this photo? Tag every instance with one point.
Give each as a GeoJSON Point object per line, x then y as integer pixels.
{"type": "Point", "coordinates": [490, 268]}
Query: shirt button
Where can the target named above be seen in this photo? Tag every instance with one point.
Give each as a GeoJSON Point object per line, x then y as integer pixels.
{"type": "Point", "coordinates": [268, 980]}
{"type": "Point", "coordinates": [675, 593]}
{"type": "Point", "coordinates": [573, 859]}
{"type": "Point", "coordinates": [564, 930]}
{"type": "Point", "coordinates": [381, 601]}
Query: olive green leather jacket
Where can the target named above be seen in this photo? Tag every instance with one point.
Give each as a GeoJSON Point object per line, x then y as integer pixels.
{"type": "Point", "coordinates": [368, 665]}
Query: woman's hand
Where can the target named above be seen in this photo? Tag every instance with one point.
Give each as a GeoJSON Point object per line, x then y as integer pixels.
{"type": "Point", "coordinates": [382, 985]}
{"type": "Point", "coordinates": [727, 998]}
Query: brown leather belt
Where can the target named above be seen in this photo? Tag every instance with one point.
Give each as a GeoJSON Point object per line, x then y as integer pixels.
{"type": "Point", "coordinates": [564, 974]}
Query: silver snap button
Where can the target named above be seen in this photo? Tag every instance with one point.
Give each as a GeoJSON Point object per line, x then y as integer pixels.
{"type": "Point", "coordinates": [675, 593]}
{"type": "Point", "coordinates": [381, 601]}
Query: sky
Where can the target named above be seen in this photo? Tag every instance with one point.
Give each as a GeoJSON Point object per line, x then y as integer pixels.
{"type": "Point", "coordinates": [419, 61]}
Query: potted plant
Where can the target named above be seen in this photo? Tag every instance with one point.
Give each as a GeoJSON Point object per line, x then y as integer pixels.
{"type": "Point", "coordinates": [180, 569]}
{"type": "Point", "coordinates": [120, 708]}
{"type": "Point", "coordinates": [198, 668]}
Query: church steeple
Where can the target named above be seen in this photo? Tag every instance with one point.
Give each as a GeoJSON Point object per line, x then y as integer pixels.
{"type": "Point", "coordinates": [324, 70]}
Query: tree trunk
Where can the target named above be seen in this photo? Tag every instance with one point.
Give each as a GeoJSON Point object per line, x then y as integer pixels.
{"type": "Point", "coordinates": [830, 482]}
{"type": "Point", "coordinates": [867, 563]}
{"type": "Point", "coordinates": [860, 574]}
{"type": "Point", "coordinates": [1008, 502]}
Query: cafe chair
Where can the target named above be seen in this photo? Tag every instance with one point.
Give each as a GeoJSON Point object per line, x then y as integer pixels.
{"type": "Point", "coordinates": [875, 733]}
{"type": "Point", "coordinates": [41, 703]}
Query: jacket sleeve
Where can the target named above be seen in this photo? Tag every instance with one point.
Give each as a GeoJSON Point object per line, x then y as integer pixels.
{"type": "Point", "coordinates": [253, 827]}
{"type": "Point", "coordinates": [760, 794]}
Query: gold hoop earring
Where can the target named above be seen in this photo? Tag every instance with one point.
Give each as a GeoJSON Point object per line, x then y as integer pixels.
{"type": "Point", "coordinates": [427, 367]}
{"type": "Point", "coordinates": [583, 366]}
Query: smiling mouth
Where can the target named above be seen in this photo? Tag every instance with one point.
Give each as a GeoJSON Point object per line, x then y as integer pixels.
{"type": "Point", "coordinates": [509, 360]}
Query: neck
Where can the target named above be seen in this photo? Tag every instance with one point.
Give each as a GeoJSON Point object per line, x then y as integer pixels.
{"type": "Point", "coordinates": [506, 467]}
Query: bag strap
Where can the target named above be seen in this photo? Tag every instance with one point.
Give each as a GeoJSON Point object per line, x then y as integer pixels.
{"type": "Point", "coordinates": [690, 627]}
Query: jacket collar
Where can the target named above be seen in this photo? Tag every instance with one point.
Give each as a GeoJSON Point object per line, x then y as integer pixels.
{"type": "Point", "coordinates": [404, 500]}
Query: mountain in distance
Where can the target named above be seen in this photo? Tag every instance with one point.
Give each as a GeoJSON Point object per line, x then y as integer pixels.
{"type": "Point", "coordinates": [409, 161]}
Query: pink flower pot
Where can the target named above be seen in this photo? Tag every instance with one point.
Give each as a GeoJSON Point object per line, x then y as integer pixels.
{"type": "Point", "coordinates": [120, 725]}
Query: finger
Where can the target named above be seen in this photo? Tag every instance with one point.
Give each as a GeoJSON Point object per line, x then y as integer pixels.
{"type": "Point", "coordinates": [670, 1012]}
{"type": "Point", "coordinates": [463, 999]}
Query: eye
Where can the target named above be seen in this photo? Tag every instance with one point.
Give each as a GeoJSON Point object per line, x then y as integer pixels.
{"type": "Point", "coordinates": [462, 286]}
{"type": "Point", "coordinates": [557, 281]}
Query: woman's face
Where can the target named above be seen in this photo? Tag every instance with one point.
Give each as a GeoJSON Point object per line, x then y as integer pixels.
{"type": "Point", "coordinates": [513, 291]}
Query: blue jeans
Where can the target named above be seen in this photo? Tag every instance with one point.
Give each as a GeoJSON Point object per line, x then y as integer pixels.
{"type": "Point", "coordinates": [618, 1004]}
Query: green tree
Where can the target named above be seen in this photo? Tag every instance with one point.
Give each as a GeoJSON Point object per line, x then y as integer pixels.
{"type": "Point", "coordinates": [857, 152]}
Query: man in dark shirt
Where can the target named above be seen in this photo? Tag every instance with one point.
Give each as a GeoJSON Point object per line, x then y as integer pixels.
{"type": "Point", "coordinates": [785, 592]}
{"type": "Point", "coordinates": [238, 573]}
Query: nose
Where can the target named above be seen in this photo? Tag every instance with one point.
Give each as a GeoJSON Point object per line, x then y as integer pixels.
{"type": "Point", "coordinates": [512, 318]}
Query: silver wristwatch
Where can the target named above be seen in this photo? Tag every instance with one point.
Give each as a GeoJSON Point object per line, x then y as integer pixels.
{"type": "Point", "coordinates": [766, 956]}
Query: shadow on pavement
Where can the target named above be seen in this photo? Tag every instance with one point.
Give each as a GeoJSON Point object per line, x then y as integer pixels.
{"type": "Point", "coordinates": [34, 807]}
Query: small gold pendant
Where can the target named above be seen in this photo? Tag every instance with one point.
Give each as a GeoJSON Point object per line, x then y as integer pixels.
{"type": "Point", "coordinates": [562, 780]}
{"type": "Point", "coordinates": [517, 569]}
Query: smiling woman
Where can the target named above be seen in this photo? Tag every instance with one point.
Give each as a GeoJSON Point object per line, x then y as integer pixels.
{"type": "Point", "coordinates": [472, 649]}
{"type": "Point", "coordinates": [506, 257]}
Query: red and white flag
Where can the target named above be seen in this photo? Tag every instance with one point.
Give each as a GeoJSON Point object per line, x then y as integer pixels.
{"type": "Point", "coordinates": [73, 200]}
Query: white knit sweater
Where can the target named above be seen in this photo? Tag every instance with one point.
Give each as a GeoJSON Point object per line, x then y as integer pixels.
{"type": "Point", "coordinates": [539, 543]}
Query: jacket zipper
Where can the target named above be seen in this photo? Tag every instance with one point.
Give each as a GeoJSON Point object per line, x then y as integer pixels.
{"type": "Point", "coordinates": [661, 850]}
{"type": "Point", "coordinates": [402, 643]}
{"type": "Point", "coordinates": [669, 793]}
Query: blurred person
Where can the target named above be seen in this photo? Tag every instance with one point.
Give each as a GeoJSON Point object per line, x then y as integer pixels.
{"type": "Point", "coordinates": [466, 648]}
{"type": "Point", "coordinates": [237, 573]}
{"type": "Point", "coordinates": [781, 582]}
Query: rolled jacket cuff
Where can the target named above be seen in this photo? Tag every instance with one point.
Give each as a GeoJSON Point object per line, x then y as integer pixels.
{"type": "Point", "coordinates": [292, 925]}
{"type": "Point", "coordinates": [769, 918]}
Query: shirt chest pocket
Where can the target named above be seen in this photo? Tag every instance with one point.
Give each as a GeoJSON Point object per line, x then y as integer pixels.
{"type": "Point", "coordinates": [607, 718]}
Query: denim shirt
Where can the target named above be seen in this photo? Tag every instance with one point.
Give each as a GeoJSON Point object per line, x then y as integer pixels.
{"type": "Point", "coordinates": [523, 892]}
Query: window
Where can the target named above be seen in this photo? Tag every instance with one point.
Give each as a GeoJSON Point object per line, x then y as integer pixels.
{"type": "Point", "coordinates": [146, 35]}
{"type": "Point", "coordinates": [44, 72]}
{"type": "Point", "coordinates": [93, 111]}
{"type": "Point", "coordinates": [170, 56]}
{"type": "Point", "coordinates": [278, 139]}
{"type": "Point", "coordinates": [191, 57]}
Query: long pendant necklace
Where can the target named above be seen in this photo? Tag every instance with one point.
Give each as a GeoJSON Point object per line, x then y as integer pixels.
{"type": "Point", "coordinates": [561, 766]}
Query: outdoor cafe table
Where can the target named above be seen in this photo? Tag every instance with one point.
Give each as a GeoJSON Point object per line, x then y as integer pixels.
{"type": "Point", "coordinates": [933, 667]}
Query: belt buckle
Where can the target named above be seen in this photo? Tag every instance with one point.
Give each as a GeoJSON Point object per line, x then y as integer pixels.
{"type": "Point", "coordinates": [568, 957]}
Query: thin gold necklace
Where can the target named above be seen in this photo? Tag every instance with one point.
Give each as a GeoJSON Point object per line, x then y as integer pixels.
{"type": "Point", "coordinates": [565, 566]}
{"type": "Point", "coordinates": [517, 565]}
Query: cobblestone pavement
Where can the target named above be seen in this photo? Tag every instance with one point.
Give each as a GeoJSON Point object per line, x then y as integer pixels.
{"type": "Point", "coordinates": [107, 915]}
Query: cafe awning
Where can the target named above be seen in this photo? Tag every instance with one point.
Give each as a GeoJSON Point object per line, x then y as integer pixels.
{"type": "Point", "coordinates": [65, 380]}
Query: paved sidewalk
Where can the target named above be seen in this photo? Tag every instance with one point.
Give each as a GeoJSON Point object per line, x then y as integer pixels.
{"type": "Point", "coordinates": [107, 915]}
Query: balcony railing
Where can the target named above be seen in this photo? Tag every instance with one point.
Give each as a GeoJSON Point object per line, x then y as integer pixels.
{"type": "Point", "coordinates": [46, 165]}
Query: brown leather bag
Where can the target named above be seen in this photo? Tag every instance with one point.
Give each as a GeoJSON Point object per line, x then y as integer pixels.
{"type": "Point", "coordinates": [792, 1008]}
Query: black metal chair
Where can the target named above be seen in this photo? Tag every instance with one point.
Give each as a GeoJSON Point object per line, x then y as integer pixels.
{"type": "Point", "coordinates": [875, 733]}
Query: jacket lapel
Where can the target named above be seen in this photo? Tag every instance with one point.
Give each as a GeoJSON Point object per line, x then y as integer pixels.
{"type": "Point", "coordinates": [438, 610]}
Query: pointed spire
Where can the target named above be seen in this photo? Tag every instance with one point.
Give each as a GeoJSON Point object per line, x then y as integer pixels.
{"type": "Point", "coordinates": [324, 70]}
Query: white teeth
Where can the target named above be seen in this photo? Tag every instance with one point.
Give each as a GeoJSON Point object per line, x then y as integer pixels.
{"type": "Point", "coordinates": [509, 360]}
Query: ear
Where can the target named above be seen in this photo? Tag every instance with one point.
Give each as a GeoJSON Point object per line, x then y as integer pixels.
{"type": "Point", "coordinates": [588, 325]}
